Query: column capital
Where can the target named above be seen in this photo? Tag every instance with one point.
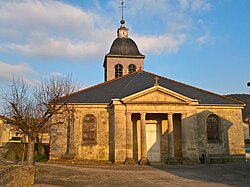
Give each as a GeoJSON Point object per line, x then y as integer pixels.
{"type": "Point", "coordinates": [170, 113]}
{"type": "Point", "coordinates": [143, 114]}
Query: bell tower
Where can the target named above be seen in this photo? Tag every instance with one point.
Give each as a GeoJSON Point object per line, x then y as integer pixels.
{"type": "Point", "coordinates": [124, 56]}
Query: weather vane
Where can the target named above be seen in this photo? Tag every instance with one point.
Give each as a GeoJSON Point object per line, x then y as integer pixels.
{"type": "Point", "coordinates": [122, 7]}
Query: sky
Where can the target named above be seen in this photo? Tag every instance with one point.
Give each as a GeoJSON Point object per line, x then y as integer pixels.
{"type": "Point", "coordinates": [203, 43]}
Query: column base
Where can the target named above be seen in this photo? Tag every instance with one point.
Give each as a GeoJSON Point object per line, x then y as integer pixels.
{"type": "Point", "coordinates": [144, 161]}
{"type": "Point", "coordinates": [172, 161]}
{"type": "Point", "coordinates": [129, 161]}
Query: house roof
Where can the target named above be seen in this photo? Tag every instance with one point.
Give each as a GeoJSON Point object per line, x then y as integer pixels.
{"type": "Point", "coordinates": [141, 80]}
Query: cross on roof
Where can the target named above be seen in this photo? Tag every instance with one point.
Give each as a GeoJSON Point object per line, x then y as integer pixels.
{"type": "Point", "coordinates": [156, 81]}
{"type": "Point", "coordinates": [122, 7]}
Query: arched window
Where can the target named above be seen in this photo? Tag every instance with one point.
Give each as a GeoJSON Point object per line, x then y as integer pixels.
{"type": "Point", "coordinates": [212, 128]}
{"type": "Point", "coordinates": [131, 68]}
{"type": "Point", "coordinates": [89, 129]}
{"type": "Point", "coordinates": [118, 70]}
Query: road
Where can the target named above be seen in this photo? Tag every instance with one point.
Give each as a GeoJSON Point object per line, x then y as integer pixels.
{"type": "Point", "coordinates": [232, 174]}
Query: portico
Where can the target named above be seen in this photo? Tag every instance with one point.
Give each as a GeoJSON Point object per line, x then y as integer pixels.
{"type": "Point", "coordinates": [151, 138]}
{"type": "Point", "coordinates": [154, 125]}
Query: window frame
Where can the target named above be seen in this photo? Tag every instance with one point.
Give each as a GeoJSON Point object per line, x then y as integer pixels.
{"type": "Point", "coordinates": [213, 129]}
{"type": "Point", "coordinates": [89, 129]}
{"type": "Point", "coordinates": [118, 70]}
{"type": "Point", "coordinates": [131, 68]}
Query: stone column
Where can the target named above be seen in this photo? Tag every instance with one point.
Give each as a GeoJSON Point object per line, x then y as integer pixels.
{"type": "Point", "coordinates": [129, 140]}
{"type": "Point", "coordinates": [144, 159]}
{"type": "Point", "coordinates": [171, 159]}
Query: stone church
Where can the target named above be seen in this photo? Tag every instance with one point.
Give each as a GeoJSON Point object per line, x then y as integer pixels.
{"type": "Point", "coordinates": [139, 117]}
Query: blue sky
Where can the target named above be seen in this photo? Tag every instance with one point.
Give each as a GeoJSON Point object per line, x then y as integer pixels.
{"type": "Point", "coordinates": [204, 43]}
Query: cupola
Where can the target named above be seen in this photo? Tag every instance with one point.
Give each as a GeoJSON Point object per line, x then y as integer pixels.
{"type": "Point", "coordinates": [124, 56]}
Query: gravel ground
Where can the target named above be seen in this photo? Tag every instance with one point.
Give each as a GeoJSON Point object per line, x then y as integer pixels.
{"type": "Point", "coordinates": [232, 174]}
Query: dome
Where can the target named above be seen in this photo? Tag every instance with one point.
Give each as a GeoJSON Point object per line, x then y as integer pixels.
{"type": "Point", "coordinates": [124, 46]}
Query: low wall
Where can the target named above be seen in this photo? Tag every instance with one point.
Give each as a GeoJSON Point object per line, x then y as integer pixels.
{"type": "Point", "coordinates": [18, 150]}
{"type": "Point", "coordinates": [17, 176]}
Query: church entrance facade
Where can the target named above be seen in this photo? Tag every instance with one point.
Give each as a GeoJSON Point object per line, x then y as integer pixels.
{"type": "Point", "coordinates": [159, 141]}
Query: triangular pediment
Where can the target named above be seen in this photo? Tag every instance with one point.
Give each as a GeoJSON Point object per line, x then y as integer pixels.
{"type": "Point", "coordinates": [157, 94]}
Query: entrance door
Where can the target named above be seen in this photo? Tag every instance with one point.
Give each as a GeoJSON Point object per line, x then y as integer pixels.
{"type": "Point", "coordinates": [153, 142]}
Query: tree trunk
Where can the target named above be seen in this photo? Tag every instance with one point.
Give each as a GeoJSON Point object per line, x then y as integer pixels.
{"type": "Point", "coordinates": [30, 153]}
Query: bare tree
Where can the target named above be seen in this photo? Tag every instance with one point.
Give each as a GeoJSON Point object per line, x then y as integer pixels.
{"type": "Point", "coordinates": [31, 107]}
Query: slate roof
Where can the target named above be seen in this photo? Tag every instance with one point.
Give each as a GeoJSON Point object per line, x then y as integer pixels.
{"type": "Point", "coordinates": [142, 80]}
{"type": "Point", "coordinates": [124, 46]}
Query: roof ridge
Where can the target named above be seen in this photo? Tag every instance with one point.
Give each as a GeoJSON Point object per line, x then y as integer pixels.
{"type": "Point", "coordinates": [103, 83]}
{"type": "Point", "coordinates": [196, 88]}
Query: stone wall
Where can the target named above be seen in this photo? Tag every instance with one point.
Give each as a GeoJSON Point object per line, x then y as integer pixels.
{"type": "Point", "coordinates": [15, 151]}
{"type": "Point", "coordinates": [15, 176]}
{"type": "Point", "coordinates": [119, 132]}
{"type": "Point", "coordinates": [4, 133]}
{"type": "Point", "coordinates": [190, 131]}
{"type": "Point", "coordinates": [64, 145]}
{"type": "Point", "coordinates": [190, 150]}
{"type": "Point", "coordinates": [231, 131]}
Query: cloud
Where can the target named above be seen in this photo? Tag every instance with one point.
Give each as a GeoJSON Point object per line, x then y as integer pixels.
{"type": "Point", "coordinates": [158, 44]}
{"type": "Point", "coordinates": [8, 71]}
{"type": "Point", "coordinates": [54, 48]}
{"type": "Point", "coordinates": [46, 16]}
{"type": "Point", "coordinates": [51, 29]}
{"type": "Point", "coordinates": [203, 39]}
{"type": "Point", "coordinates": [195, 5]}
{"type": "Point", "coordinates": [56, 30]}
{"type": "Point", "coordinates": [200, 5]}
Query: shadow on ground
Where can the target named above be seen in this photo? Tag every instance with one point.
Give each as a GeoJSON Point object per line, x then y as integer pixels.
{"type": "Point", "coordinates": [231, 174]}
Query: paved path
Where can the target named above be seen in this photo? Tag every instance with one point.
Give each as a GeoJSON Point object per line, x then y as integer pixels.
{"type": "Point", "coordinates": [233, 174]}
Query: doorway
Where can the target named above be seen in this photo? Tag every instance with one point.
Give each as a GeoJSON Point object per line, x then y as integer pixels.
{"type": "Point", "coordinates": [153, 141]}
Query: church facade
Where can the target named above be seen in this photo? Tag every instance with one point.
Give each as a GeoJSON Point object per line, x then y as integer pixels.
{"type": "Point", "coordinates": [139, 117]}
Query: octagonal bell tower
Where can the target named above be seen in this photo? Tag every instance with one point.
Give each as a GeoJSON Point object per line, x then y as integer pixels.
{"type": "Point", "coordinates": [124, 56]}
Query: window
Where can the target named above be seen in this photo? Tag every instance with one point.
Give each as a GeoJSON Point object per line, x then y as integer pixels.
{"type": "Point", "coordinates": [89, 129]}
{"type": "Point", "coordinates": [131, 68]}
{"type": "Point", "coordinates": [212, 128]}
{"type": "Point", "coordinates": [118, 70]}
